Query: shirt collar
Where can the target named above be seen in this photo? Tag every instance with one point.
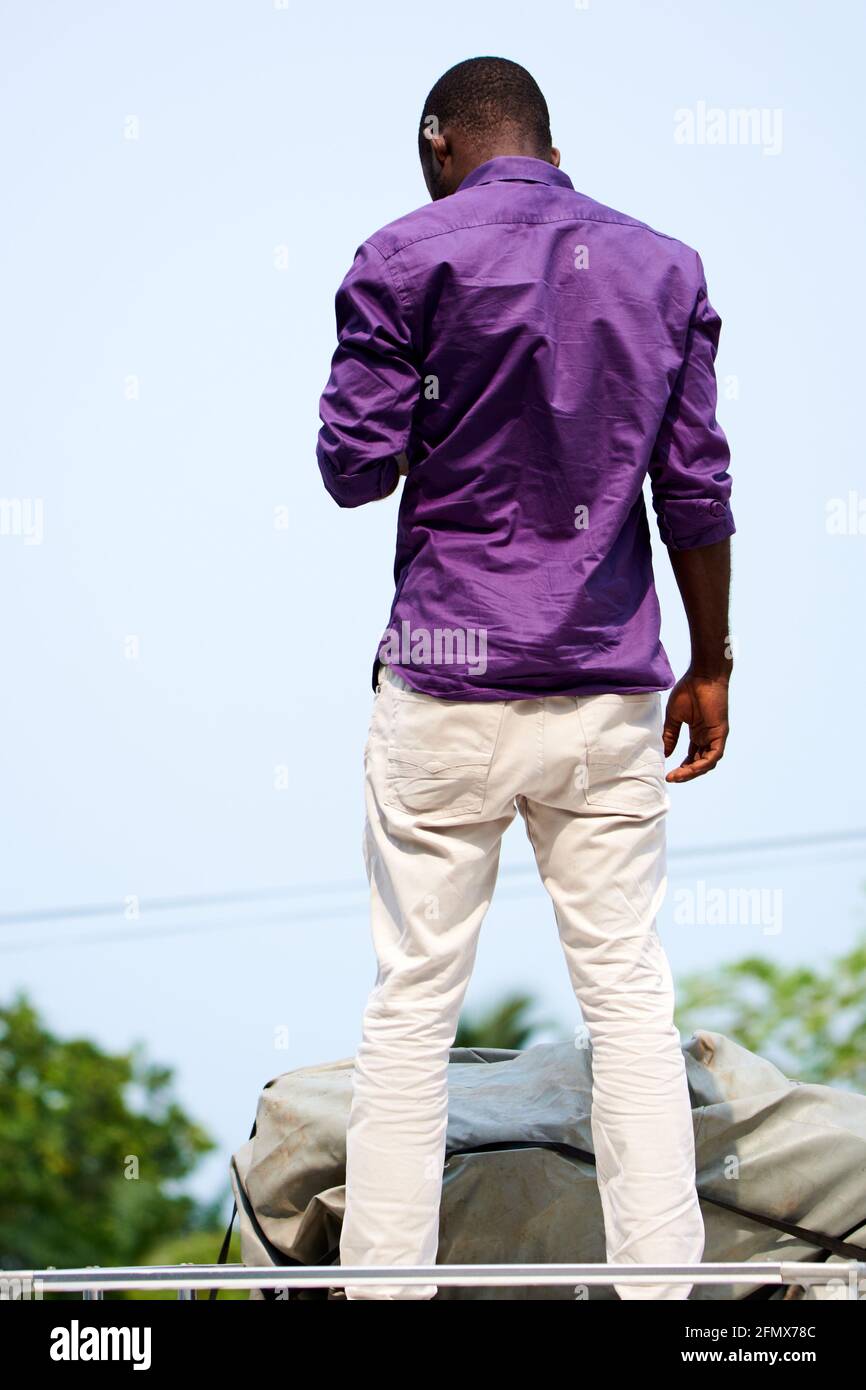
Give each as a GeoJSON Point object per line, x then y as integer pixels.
{"type": "Point", "coordinates": [516, 168]}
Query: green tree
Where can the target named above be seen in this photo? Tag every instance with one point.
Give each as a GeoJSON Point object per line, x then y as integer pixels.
{"type": "Point", "coordinates": [505, 1025]}
{"type": "Point", "coordinates": [92, 1146]}
{"type": "Point", "coordinates": [810, 1022]}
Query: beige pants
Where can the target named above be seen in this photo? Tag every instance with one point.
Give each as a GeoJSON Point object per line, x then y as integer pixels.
{"type": "Point", "coordinates": [444, 780]}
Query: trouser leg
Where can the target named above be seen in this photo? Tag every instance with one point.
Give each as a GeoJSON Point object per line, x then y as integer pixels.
{"type": "Point", "coordinates": [606, 877]}
{"type": "Point", "coordinates": [430, 888]}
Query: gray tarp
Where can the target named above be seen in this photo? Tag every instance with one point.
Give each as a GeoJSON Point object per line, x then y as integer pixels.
{"type": "Point", "coordinates": [777, 1148]}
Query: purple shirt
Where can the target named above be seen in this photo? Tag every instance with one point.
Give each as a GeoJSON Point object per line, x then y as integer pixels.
{"type": "Point", "coordinates": [535, 355]}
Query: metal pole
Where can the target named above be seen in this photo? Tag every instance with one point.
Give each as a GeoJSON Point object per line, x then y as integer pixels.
{"type": "Point", "coordinates": [189, 1278]}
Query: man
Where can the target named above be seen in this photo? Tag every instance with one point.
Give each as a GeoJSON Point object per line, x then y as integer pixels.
{"type": "Point", "coordinates": [527, 357]}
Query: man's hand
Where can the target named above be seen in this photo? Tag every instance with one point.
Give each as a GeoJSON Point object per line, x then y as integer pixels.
{"type": "Point", "coordinates": [402, 470]}
{"type": "Point", "coordinates": [700, 699]}
{"type": "Point", "coordinates": [701, 702]}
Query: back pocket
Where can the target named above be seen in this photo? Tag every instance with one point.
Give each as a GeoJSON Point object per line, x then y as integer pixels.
{"type": "Point", "coordinates": [423, 781]}
{"type": "Point", "coordinates": [439, 754]}
{"type": "Point", "coordinates": [625, 761]}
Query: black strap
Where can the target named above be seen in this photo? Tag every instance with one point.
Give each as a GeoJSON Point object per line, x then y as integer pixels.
{"type": "Point", "coordinates": [832, 1244]}
{"type": "Point", "coordinates": [222, 1257]}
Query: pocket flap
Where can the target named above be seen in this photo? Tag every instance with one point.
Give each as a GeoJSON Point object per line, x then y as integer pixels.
{"type": "Point", "coordinates": [433, 762]}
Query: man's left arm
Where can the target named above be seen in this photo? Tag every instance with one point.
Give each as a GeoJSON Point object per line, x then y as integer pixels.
{"type": "Point", "coordinates": [366, 407]}
{"type": "Point", "coordinates": [691, 489]}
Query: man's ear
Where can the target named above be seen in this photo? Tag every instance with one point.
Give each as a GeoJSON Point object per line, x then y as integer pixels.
{"type": "Point", "coordinates": [554, 157]}
{"type": "Point", "coordinates": [439, 146]}
{"type": "Point", "coordinates": [433, 163]}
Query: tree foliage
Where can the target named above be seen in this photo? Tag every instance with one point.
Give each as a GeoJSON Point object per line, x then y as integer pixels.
{"type": "Point", "coordinates": [92, 1146]}
{"type": "Point", "coordinates": [810, 1022]}
{"type": "Point", "coordinates": [507, 1024]}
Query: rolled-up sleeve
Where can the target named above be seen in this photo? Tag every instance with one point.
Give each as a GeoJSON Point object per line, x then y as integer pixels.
{"type": "Point", "coordinates": [366, 407]}
{"type": "Point", "coordinates": [691, 485]}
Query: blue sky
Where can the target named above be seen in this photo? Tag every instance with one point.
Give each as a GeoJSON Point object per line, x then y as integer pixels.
{"type": "Point", "coordinates": [188, 184]}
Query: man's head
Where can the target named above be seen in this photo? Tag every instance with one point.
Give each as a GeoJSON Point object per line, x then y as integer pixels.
{"type": "Point", "coordinates": [477, 110]}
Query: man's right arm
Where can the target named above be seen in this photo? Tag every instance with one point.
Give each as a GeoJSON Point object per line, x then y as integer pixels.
{"type": "Point", "coordinates": [366, 407]}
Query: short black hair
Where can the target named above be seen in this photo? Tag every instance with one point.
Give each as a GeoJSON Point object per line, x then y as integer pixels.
{"type": "Point", "coordinates": [481, 95]}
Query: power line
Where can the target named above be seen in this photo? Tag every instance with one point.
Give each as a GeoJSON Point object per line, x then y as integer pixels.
{"type": "Point", "coordinates": [185, 902]}
{"type": "Point", "coordinates": [829, 837]}
{"type": "Point", "coordinates": [177, 904]}
{"type": "Point", "coordinates": [331, 910]}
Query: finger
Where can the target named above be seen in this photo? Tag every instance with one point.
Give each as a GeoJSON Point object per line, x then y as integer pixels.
{"type": "Point", "coordinates": [703, 761]}
{"type": "Point", "coordinates": [671, 733]}
{"type": "Point", "coordinates": [691, 754]}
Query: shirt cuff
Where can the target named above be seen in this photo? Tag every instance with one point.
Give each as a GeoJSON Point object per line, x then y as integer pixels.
{"type": "Point", "coordinates": [688, 523]}
{"type": "Point", "coordinates": [369, 486]}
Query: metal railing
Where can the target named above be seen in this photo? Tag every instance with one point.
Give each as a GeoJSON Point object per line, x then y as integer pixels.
{"type": "Point", "coordinates": [93, 1281]}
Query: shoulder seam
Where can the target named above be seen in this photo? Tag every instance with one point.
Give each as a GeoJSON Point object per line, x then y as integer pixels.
{"type": "Point", "coordinates": [397, 282]}
{"type": "Point", "coordinates": [525, 221]}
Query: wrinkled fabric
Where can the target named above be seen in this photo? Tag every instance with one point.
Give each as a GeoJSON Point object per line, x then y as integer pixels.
{"type": "Point", "coordinates": [772, 1145]}
{"type": "Point", "coordinates": [535, 356]}
{"type": "Point", "coordinates": [444, 780]}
